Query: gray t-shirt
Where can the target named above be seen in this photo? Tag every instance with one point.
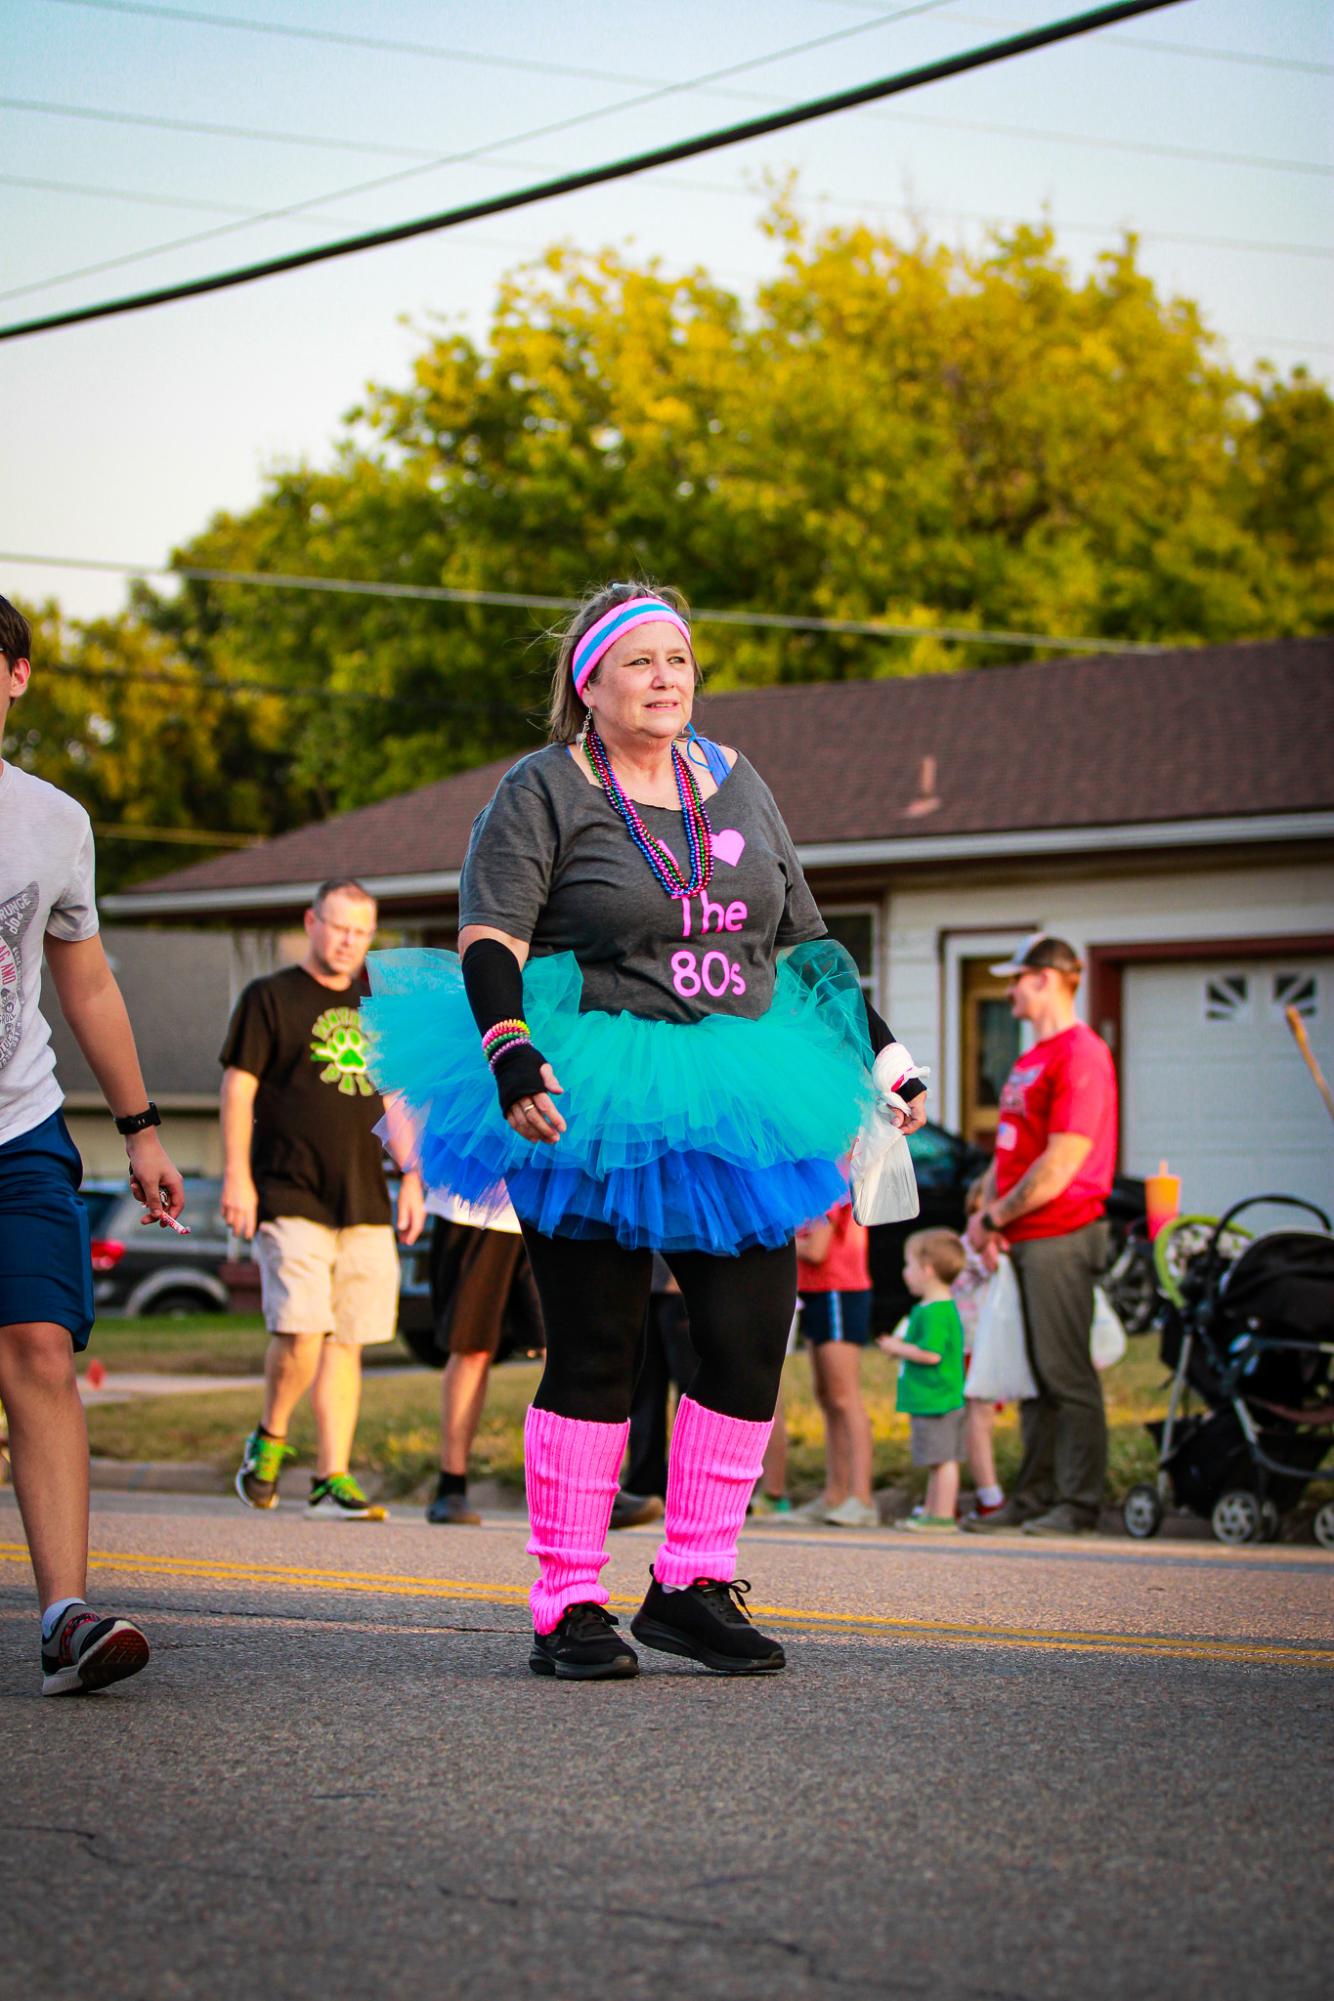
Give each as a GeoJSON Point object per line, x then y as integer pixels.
{"type": "Point", "coordinates": [46, 890]}
{"type": "Point", "coordinates": [551, 861]}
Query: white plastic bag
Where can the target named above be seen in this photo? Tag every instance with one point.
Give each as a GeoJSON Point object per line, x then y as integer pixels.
{"type": "Point", "coordinates": [884, 1185]}
{"type": "Point", "coordinates": [999, 1371]}
{"type": "Point", "coordinates": [1107, 1340]}
{"type": "Point", "coordinates": [884, 1182]}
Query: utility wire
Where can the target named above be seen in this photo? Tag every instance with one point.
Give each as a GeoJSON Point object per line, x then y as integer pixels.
{"type": "Point", "coordinates": [1205, 52]}
{"type": "Point", "coordinates": [150, 677]}
{"type": "Point", "coordinates": [822, 107]}
{"type": "Point", "coordinates": [737, 190]}
{"type": "Point", "coordinates": [200, 128]}
{"type": "Point", "coordinates": [531, 601]}
{"type": "Point", "coordinates": [1093, 141]}
{"type": "Point", "coordinates": [185, 837]}
{"type": "Point", "coordinates": [380, 43]}
{"type": "Point", "coordinates": [454, 159]}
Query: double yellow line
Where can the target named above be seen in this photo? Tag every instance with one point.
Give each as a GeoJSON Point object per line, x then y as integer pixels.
{"type": "Point", "coordinates": [375, 1584]}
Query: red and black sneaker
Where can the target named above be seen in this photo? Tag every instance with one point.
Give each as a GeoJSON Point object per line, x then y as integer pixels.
{"type": "Point", "coordinates": [86, 1652]}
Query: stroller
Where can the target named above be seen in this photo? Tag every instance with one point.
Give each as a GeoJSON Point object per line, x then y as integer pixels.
{"type": "Point", "coordinates": [1248, 1331]}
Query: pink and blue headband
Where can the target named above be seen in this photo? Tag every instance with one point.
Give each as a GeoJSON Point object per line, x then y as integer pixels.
{"type": "Point", "coordinates": [613, 625]}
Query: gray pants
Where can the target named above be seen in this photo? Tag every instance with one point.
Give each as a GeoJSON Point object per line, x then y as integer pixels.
{"type": "Point", "coordinates": [1065, 1425]}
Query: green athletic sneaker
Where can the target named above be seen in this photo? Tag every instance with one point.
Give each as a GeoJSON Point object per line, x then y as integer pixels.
{"type": "Point", "coordinates": [261, 1463]}
{"type": "Point", "coordinates": [340, 1499]}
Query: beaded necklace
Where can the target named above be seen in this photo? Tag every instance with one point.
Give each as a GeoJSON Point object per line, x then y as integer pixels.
{"type": "Point", "coordinates": [699, 834]}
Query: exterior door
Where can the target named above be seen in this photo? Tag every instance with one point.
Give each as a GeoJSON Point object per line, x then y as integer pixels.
{"type": "Point", "coordinates": [990, 1045]}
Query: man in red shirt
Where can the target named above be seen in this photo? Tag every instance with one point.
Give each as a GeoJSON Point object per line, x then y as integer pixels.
{"type": "Point", "coordinates": [1045, 1193]}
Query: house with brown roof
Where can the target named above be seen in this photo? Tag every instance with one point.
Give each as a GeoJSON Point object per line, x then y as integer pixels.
{"type": "Point", "coordinates": [1172, 814]}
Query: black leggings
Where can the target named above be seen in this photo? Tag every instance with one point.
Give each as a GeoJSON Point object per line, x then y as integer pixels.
{"type": "Point", "coordinates": [594, 1300]}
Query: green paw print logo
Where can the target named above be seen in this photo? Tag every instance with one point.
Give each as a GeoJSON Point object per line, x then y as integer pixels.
{"type": "Point", "coordinates": [338, 1043]}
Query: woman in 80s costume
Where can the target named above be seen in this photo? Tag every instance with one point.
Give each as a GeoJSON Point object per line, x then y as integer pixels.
{"type": "Point", "coordinates": [651, 1043]}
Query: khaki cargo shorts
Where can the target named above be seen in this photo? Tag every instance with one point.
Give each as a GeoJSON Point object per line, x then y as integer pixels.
{"type": "Point", "coordinates": [315, 1280]}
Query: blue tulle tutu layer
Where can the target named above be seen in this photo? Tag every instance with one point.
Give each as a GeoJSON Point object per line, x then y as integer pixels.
{"type": "Point", "coordinates": [717, 1135]}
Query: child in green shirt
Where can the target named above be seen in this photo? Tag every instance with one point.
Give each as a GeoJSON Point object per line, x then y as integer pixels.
{"type": "Point", "coordinates": [930, 1385]}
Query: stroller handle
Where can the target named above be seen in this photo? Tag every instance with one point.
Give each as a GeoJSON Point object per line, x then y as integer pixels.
{"type": "Point", "coordinates": [1211, 1256]}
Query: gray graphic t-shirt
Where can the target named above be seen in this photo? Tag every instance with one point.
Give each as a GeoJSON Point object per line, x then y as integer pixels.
{"type": "Point", "coordinates": [46, 889]}
{"type": "Point", "coordinates": [551, 861]}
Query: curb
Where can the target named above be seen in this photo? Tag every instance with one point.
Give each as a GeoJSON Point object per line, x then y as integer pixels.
{"type": "Point", "coordinates": [195, 1476]}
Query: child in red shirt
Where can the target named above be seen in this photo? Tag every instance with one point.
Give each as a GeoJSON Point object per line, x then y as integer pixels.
{"type": "Point", "coordinates": [834, 1286]}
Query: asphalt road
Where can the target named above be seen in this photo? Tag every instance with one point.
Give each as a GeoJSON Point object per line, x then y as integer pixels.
{"type": "Point", "coordinates": [992, 1770]}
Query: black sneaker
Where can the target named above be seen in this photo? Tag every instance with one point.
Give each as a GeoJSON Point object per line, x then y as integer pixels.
{"type": "Point", "coordinates": [707, 1622]}
{"type": "Point", "coordinates": [87, 1652]}
{"type": "Point", "coordinates": [453, 1511]}
{"type": "Point", "coordinates": [583, 1647]}
{"type": "Point", "coordinates": [631, 1511]}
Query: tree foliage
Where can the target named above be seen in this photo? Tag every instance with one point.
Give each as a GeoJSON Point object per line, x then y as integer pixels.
{"type": "Point", "coordinates": [889, 430]}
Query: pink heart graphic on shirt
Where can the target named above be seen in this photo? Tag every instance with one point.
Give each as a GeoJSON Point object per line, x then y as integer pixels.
{"type": "Point", "coordinates": [728, 846]}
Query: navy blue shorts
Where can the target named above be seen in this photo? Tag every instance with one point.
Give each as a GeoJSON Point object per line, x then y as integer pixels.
{"type": "Point", "coordinates": [46, 1268]}
{"type": "Point", "coordinates": [836, 1316]}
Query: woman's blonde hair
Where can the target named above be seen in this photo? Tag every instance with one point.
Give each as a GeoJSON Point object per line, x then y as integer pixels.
{"type": "Point", "coordinates": [568, 711]}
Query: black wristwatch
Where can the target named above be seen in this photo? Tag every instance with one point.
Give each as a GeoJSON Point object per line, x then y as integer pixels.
{"type": "Point", "coordinates": [138, 1122]}
{"type": "Point", "coordinates": [989, 1223]}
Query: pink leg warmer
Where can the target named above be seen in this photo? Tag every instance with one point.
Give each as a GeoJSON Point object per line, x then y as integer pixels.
{"type": "Point", "coordinates": [571, 1468]}
{"type": "Point", "coordinates": [711, 1472]}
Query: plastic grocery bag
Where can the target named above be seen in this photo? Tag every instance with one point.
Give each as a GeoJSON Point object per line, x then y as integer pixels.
{"type": "Point", "coordinates": [1108, 1337]}
{"type": "Point", "coordinates": [999, 1371]}
{"type": "Point", "coordinates": [884, 1184]}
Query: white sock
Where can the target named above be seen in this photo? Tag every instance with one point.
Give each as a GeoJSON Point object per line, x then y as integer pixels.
{"type": "Point", "coordinates": [991, 1497]}
{"type": "Point", "coordinates": [52, 1615]}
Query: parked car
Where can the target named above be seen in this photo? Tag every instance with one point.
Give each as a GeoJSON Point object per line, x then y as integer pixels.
{"type": "Point", "coordinates": [141, 1270]}
{"type": "Point", "coordinates": [137, 1269]}
{"type": "Point", "coordinates": [946, 1167]}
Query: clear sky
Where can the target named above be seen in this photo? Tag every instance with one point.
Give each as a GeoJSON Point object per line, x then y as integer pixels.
{"type": "Point", "coordinates": [121, 438]}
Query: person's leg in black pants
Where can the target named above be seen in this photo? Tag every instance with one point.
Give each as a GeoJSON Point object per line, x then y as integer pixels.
{"type": "Point", "coordinates": [594, 1296]}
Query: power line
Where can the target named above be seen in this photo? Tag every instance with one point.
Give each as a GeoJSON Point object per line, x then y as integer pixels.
{"type": "Point", "coordinates": [379, 43]}
{"type": "Point", "coordinates": [201, 128]}
{"type": "Point", "coordinates": [185, 837]}
{"type": "Point", "coordinates": [1200, 51]}
{"type": "Point", "coordinates": [92, 192]}
{"type": "Point", "coordinates": [150, 677]}
{"type": "Point", "coordinates": [615, 170]}
{"type": "Point", "coordinates": [455, 159]}
{"type": "Point", "coordinates": [1096, 142]}
{"type": "Point", "coordinates": [531, 601]}
{"type": "Point", "coordinates": [736, 190]}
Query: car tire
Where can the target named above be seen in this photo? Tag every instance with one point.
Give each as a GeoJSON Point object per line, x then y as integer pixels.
{"type": "Point", "coordinates": [180, 1301]}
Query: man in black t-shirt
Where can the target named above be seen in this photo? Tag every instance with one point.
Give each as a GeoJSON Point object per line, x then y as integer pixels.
{"type": "Point", "coordinates": [303, 1174]}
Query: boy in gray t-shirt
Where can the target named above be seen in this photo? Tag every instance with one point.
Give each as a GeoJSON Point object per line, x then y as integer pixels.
{"type": "Point", "coordinates": [46, 1306]}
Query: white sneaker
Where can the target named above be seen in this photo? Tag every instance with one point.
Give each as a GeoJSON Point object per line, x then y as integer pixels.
{"type": "Point", "coordinates": [852, 1514]}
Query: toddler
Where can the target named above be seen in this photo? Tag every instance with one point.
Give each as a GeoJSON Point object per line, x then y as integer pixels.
{"type": "Point", "coordinates": [931, 1373]}
{"type": "Point", "coordinates": [970, 1290]}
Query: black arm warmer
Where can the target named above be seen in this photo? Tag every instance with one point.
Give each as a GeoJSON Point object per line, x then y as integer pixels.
{"type": "Point", "coordinates": [882, 1035]}
{"type": "Point", "coordinates": [493, 982]}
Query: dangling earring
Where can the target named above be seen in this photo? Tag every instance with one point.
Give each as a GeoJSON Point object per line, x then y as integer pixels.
{"type": "Point", "coordinates": [581, 741]}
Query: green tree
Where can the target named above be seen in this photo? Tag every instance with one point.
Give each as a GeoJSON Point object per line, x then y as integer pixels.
{"type": "Point", "coordinates": [889, 430]}
{"type": "Point", "coordinates": [114, 716]}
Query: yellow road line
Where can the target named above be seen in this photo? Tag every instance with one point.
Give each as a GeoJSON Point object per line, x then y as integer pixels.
{"type": "Point", "coordinates": [206, 1570]}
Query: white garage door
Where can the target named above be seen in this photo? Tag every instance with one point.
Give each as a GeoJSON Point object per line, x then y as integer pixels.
{"type": "Point", "coordinates": [1213, 1080]}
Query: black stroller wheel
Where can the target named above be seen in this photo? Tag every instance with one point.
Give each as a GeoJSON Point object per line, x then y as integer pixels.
{"type": "Point", "coordinates": [1238, 1517]}
{"type": "Point", "coordinates": [1324, 1525]}
{"type": "Point", "coordinates": [1142, 1512]}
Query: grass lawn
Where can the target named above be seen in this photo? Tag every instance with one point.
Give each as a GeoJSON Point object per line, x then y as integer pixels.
{"type": "Point", "coordinates": [399, 1430]}
{"type": "Point", "coordinates": [195, 1344]}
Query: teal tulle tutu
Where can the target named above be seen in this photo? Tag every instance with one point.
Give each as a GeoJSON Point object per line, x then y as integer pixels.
{"type": "Point", "coordinates": [716, 1135]}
